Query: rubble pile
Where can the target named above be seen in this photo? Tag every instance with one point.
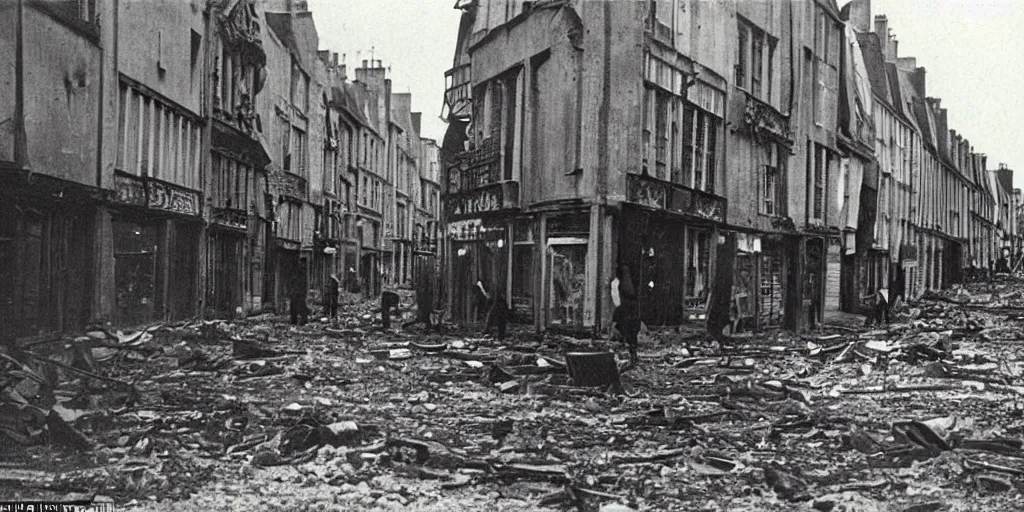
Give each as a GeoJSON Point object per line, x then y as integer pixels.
{"type": "Point", "coordinates": [924, 414]}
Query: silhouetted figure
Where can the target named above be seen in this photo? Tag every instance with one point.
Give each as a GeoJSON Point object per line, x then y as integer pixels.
{"type": "Point", "coordinates": [298, 309]}
{"type": "Point", "coordinates": [388, 301]}
{"type": "Point", "coordinates": [882, 307]}
{"type": "Point", "coordinates": [498, 315]}
{"type": "Point", "coordinates": [424, 299]}
{"type": "Point", "coordinates": [331, 294]}
{"type": "Point", "coordinates": [626, 316]}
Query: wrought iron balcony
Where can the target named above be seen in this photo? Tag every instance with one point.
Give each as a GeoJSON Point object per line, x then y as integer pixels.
{"type": "Point", "coordinates": [764, 120]}
{"type": "Point", "coordinates": [674, 197]}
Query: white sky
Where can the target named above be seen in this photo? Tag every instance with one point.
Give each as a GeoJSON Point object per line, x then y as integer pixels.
{"type": "Point", "coordinates": [974, 55]}
{"type": "Point", "coordinates": [415, 37]}
{"type": "Point", "coordinates": [971, 48]}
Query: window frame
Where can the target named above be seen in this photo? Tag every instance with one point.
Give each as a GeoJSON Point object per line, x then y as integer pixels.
{"type": "Point", "coordinates": [746, 73]}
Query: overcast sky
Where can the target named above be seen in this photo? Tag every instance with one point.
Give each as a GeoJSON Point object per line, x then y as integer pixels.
{"type": "Point", "coordinates": [971, 48]}
{"type": "Point", "coordinates": [975, 60]}
{"type": "Point", "coordinates": [415, 37]}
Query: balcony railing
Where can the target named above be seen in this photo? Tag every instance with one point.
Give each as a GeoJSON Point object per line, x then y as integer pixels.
{"type": "Point", "coordinates": [476, 167]}
{"type": "Point", "coordinates": [153, 194]}
{"type": "Point", "coordinates": [673, 197]}
{"type": "Point", "coordinates": [457, 94]}
{"type": "Point", "coordinates": [764, 120]}
{"type": "Point", "coordinates": [232, 218]}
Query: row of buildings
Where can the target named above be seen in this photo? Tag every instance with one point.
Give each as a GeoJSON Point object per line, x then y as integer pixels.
{"type": "Point", "coordinates": [782, 154]}
{"type": "Point", "coordinates": [167, 159]}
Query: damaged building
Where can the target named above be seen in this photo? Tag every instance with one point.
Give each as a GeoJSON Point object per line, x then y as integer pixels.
{"type": "Point", "coordinates": [758, 161]}
{"type": "Point", "coordinates": [183, 159]}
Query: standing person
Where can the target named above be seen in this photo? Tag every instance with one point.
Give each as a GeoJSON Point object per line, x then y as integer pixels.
{"type": "Point", "coordinates": [626, 317]}
{"type": "Point", "coordinates": [388, 302]}
{"type": "Point", "coordinates": [298, 308]}
{"type": "Point", "coordinates": [424, 298]}
{"type": "Point", "coordinates": [497, 315]}
{"type": "Point", "coordinates": [333, 289]}
{"type": "Point", "coordinates": [882, 307]}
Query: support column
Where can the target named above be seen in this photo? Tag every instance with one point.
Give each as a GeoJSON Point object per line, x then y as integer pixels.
{"type": "Point", "coordinates": [592, 281]}
{"type": "Point", "coordinates": [102, 308]}
{"type": "Point", "coordinates": [165, 270]}
{"type": "Point", "coordinates": [540, 307]}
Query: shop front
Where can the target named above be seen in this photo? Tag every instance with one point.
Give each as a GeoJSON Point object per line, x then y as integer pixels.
{"type": "Point", "coordinates": [480, 224]}
{"type": "Point", "coordinates": [156, 230]}
{"type": "Point", "coordinates": [47, 257]}
{"type": "Point", "coordinates": [669, 238]}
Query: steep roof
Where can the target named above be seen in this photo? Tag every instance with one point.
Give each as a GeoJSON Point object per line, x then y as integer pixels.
{"type": "Point", "coordinates": [908, 97]}
{"type": "Point", "coordinates": [875, 62]}
{"type": "Point", "coordinates": [296, 31]}
{"type": "Point", "coordinates": [344, 97]}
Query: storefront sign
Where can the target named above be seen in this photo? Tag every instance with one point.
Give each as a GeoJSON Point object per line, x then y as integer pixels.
{"type": "Point", "coordinates": [492, 198]}
{"type": "Point", "coordinates": [474, 229]}
{"type": "Point", "coordinates": [171, 198]}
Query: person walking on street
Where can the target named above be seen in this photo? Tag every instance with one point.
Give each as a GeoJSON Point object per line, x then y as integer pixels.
{"type": "Point", "coordinates": [626, 317]}
{"type": "Point", "coordinates": [333, 289]}
{"type": "Point", "coordinates": [298, 308]}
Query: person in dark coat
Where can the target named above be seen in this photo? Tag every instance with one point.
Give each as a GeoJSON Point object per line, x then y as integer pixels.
{"type": "Point", "coordinates": [496, 307]}
{"type": "Point", "coordinates": [882, 307]}
{"type": "Point", "coordinates": [498, 315]}
{"type": "Point", "coordinates": [388, 302]}
{"type": "Point", "coordinates": [626, 316]}
{"type": "Point", "coordinates": [298, 309]}
{"type": "Point", "coordinates": [424, 299]}
{"type": "Point", "coordinates": [333, 289]}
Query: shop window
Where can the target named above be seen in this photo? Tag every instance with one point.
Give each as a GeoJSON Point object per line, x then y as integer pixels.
{"type": "Point", "coordinates": [523, 272]}
{"type": "Point", "coordinates": [135, 271]}
{"type": "Point", "coordinates": [567, 282]}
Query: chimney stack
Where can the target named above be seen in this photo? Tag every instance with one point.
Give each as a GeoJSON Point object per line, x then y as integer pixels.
{"type": "Point", "coordinates": [882, 31]}
{"type": "Point", "coordinates": [860, 15]}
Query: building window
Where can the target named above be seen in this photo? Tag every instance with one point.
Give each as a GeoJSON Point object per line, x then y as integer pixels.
{"type": "Point", "coordinates": [818, 164]}
{"type": "Point", "coordinates": [156, 139]}
{"type": "Point", "coordinates": [771, 181]}
{"type": "Point", "coordinates": [699, 148]}
{"type": "Point", "coordinates": [754, 55]}
{"type": "Point", "coordinates": [231, 183]}
{"type": "Point", "coordinates": [298, 158]}
{"type": "Point", "coordinates": [661, 19]}
{"type": "Point", "coordinates": [299, 88]}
